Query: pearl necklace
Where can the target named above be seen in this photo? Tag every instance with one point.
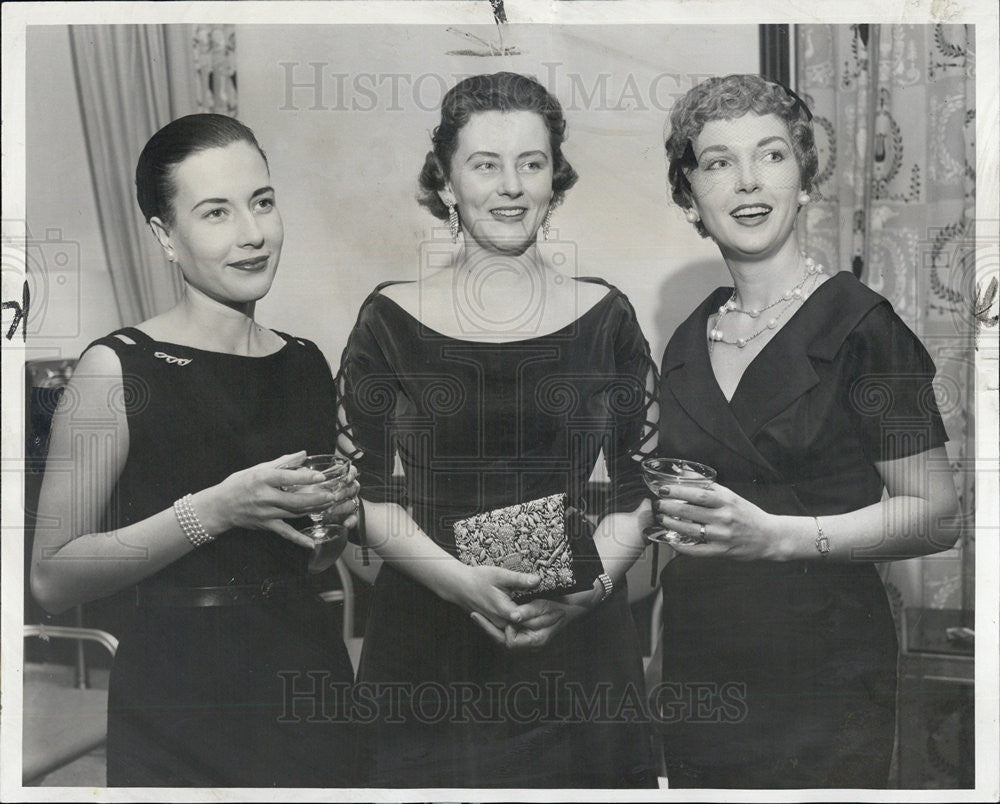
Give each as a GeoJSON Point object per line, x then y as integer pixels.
{"type": "Point", "coordinates": [813, 269]}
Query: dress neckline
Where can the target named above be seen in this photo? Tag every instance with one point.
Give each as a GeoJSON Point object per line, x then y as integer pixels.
{"type": "Point", "coordinates": [493, 344]}
{"type": "Point", "coordinates": [149, 339]}
{"type": "Point", "coordinates": [711, 309]}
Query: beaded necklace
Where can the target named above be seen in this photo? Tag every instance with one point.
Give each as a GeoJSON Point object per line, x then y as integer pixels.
{"type": "Point", "coordinates": [715, 335]}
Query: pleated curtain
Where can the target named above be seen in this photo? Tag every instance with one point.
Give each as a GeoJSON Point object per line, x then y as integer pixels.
{"type": "Point", "coordinates": [131, 80]}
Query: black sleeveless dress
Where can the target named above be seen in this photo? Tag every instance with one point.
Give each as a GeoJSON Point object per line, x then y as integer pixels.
{"type": "Point", "coordinates": [223, 696]}
{"type": "Point", "coordinates": [479, 426]}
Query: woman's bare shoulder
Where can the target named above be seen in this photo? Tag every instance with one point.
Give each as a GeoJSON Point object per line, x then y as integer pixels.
{"type": "Point", "coordinates": [99, 360]}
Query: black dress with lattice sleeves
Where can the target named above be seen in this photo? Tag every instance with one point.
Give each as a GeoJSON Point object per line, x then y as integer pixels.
{"type": "Point", "coordinates": [478, 426]}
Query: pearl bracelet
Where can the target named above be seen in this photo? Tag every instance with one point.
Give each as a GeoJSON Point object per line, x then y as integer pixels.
{"type": "Point", "coordinates": [189, 522]}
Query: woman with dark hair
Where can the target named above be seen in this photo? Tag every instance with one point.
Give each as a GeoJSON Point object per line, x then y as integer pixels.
{"type": "Point", "coordinates": [792, 384]}
{"type": "Point", "coordinates": [498, 381]}
{"type": "Point", "coordinates": [170, 457]}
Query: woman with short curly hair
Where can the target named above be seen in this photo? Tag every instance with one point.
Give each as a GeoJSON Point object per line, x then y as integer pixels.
{"type": "Point", "coordinates": [729, 98]}
{"type": "Point", "coordinates": [792, 384]}
{"type": "Point", "coordinates": [498, 381]}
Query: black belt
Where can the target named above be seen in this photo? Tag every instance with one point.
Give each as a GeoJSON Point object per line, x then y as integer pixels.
{"type": "Point", "coordinates": [267, 591]}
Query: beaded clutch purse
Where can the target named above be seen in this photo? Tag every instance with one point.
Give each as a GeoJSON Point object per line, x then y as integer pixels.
{"type": "Point", "coordinates": [545, 536]}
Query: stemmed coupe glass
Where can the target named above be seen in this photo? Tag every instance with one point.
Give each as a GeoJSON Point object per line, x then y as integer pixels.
{"type": "Point", "coordinates": [660, 474]}
{"type": "Point", "coordinates": [328, 538]}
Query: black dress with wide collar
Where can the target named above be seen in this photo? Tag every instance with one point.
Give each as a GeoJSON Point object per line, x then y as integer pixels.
{"type": "Point", "coordinates": [842, 384]}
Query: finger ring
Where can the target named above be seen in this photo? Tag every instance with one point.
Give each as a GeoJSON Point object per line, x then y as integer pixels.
{"type": "Point", "coordinates": [701, 533]}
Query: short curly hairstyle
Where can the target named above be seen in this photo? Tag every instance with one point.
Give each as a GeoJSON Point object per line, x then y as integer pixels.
{"type": "Point", "coordinates": [726, 98]}
{"type": "Point", "coordinates": [498, 92]}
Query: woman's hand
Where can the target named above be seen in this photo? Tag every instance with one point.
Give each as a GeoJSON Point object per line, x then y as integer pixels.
{"type": "Point", "coordinates": [733, 527]}
{"type": "Point", "coordinates": [255, 499]}
{"type": "Point", "coordinates": [486, 593]}
{"type": "Point", "coordinates": [345, 510]}
{"type": "Point", "coordinates": [540, 620]}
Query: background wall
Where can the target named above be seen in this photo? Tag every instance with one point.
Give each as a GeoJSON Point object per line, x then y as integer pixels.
{"type": "Point", "coordinates": [345, 114]}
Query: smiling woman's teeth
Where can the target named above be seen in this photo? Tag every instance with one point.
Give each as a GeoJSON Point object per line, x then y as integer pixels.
{"type": "Point", "coordinates": [749, 212]}
{"type": "Point", "coordinates": [508, 213]}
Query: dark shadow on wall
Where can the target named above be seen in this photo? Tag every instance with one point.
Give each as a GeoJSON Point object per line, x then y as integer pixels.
{"type": "Point", "coordinates": [679, 293]}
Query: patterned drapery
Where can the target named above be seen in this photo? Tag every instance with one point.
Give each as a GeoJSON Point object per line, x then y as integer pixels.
{"type": "Point", "coordinates": [894, 110]}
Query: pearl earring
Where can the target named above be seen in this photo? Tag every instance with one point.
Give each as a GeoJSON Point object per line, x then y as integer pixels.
{"type": "Point", "coordinates": [453, 222]}
{"type": "Point", "coordinates": [803, 198]}
{"type": "Point", "coordinates": [691, 215]}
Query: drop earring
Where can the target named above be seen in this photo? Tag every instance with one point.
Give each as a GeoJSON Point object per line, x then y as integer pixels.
{"type": "Point", "coordinates": [453, 222]}
{"type": "Point", "coordinates": [546, 223]}
{"type": "Point", "coordinates": [691, 215]}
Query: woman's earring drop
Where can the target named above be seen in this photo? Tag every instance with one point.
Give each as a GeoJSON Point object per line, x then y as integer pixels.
{"type": "Point", "coordinates": [546, 223]}
{"type": "Point", "coordinates": [691, 215]}
{"type": "Point", "coordinates": [453, 222]}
